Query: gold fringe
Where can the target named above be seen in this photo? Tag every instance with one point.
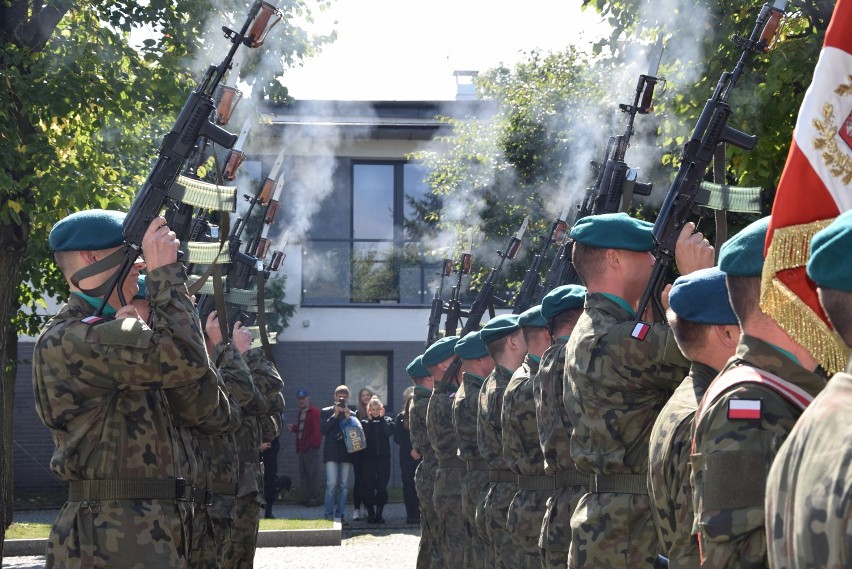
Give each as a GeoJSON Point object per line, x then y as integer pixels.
{"type": "Point", "coordinates": [789, 250]}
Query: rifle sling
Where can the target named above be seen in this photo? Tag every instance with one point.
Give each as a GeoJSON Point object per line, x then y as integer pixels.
{"type": "Point", "coordinates": [112, 260]}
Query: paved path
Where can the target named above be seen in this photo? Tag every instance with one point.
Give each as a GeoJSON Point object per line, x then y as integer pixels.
{"type": "Point", "coordinates": [395, 544]}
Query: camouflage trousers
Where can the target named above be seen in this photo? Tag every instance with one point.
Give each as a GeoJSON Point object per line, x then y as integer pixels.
{"type": "Point", "coordinates": [474, 489]}
{"type": "Point", "coordinates": [448, 506]}
{"type": "Point", "coordinates": [612, 530]}
{"type": "Point", "coordinates": [524, 521]}
{"type": "Point", "coordinates": [429, 554]}
{"type": "Point", "coordinates": [500, 552]}
{"type": "Point", "coordinates": [555, 538]}
{"type": "Point", "coordinates": [239, 553]}
{"type": "Point", "coordinates": [211, 536]}
{"type": "Point", "coordinates": [119, 534]}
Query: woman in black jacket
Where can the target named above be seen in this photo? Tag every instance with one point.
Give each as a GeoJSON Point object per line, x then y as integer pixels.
{"type": "Point", "coordinates": [408, 459]}
{"type": "Point", "coordinates": [375, 472]}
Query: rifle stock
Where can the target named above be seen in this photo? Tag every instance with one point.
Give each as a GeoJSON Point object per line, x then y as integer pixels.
{"type": "Point", "coordinates": [710, 130]}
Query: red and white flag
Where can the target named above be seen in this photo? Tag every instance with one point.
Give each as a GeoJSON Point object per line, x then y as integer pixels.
{"type": "Point", "coordinates": [815, 187]}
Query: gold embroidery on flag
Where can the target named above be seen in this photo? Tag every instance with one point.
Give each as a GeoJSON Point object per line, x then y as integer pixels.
{"type": "Point", "coordinates": [838, 161]}
{"type": "Point", "coordinates": [789, 250]}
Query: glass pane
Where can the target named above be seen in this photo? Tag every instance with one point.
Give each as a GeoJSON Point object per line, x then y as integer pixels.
{"type": "Point", "coordinates": [325, 272]}
{"type": "Point", "coordinates": [416, 198]}
{"type": "Point", "coordinates": [370, 371]}
{"type": "Point", "coordinates": [373, 272]}
{"type": "Point", "coordinates": [372, 201]}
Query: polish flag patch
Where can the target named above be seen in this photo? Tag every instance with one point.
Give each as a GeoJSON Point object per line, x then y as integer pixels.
{"type": "Point", "coordinates": [744, 409]}
{"type": "Point", "coordinates": [92, 319]}
{"type": "Point", "coordinates": [640, 330]}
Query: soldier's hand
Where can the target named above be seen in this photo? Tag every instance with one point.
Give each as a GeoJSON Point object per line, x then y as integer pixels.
{"type": "Point", "coordinates": [212, 329]}
{"type": "Point", "coordinates": [693, 251]}
{"type": "Point", "coordinates": [242, 338]}
{"type": "Point", "coordinates": [128, 311]}
{"type": "Point", "coordinates": [159, 244]}
{"type": "Point", "coordinates": [664, 297]}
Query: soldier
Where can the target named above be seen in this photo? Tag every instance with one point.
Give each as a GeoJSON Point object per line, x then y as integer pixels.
{"type": "Point", "coordinates": [618, 375]}
{"type": "Point", "coordinates": [476, 365]}
{"type": "Point", "coordinates": [809, 489]}
{"type": "Point", "coordinates": [505, 341]}
{"type": "Point", "coordinates": [561, 307]}
{"type": "Point", "coordinates": [429, 550]}
{"type": "Point", "coordinates": [706, 331]}
{"type": "Point", "coordinates": [100, 387]}
{"type": "Point", "coordinates": [521, 448]}
{"type": "Point", "coordinates": [446, 496]}
{"type": "Point", "coordinates": [744, 418]}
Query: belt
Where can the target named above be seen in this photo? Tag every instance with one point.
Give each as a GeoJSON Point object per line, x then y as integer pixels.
{"type": "Point", "coordinates": [476, 464]}
{"type": "Point", "coordinates": [502, 476]}
{"type": "Point", "coordinates": [248, 456]}
{"type": "Point", "coordinates": [570, 477]}
{"type": "Point", "coordinates": [451, 462]}
{"type": "Point", "coordinates": [619, 483]}
{"type": "Point", "coordinates": [130, 489]}
{"type": "Point", "coordinates": [204, 496]}
{"type": "Point", "coordinates": [536, 482]}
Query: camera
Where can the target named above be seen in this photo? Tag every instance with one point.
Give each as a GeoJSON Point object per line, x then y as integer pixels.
{"type": "Point", "coordinates": [341, 402]}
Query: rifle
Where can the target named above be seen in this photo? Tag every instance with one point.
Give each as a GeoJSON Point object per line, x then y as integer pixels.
{"type": "Point", "coordinates": [485, 297]}
{"type": "Point", "coordinates": [530, 292]}
{"type": "Point", "coordinates": [710, 131]}
{"type": "Point", "coordinates": [615, 182]}
{"type": "Point", "coordinates": [438, 305]}
{"type": "Point", "coordinates": [192, 122]}
{"type": "Point", "coordinates": [453, 309]}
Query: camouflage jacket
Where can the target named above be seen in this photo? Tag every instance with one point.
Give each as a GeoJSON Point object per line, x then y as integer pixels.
{"type": "Point", "coordinates": [809, 490]}
{"type": "Point", "coordinates": [615, 386]}
{"type": "Point", "coordinates": [465, 412]}
{"type": "Point", "coordinates": [270, 384]}
{"type": "Point", "coordinates": [521, 448]}
{"type": "Point", "coordinates": [99, 388]}
{"type": "Point", "coordinates": [668, 473]}
{"type": "Point", "coordinates": [417, 423]}
{"type": "Point", "coordinates": [731, 458]}
{"type": "Point", "coordinates": [439, 423]}
{"type": "Point", "coordinates": [489, 426]}
{"type": "Point", "coordinates": [554, 426]}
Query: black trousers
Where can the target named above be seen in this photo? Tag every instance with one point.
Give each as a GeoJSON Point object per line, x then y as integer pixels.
{"type": "Point", "coordinates": [408, 466]}
{"type": "Point", "coordinates": [375, 474]}
{"type": "Point", "coordinates": [270, 471]}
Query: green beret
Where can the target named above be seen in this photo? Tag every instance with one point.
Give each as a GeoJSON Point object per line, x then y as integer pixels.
{"type": "Point", "coordinates": [416, 369]}
{"type": "Point", "coordinates": [90, 230]}
{"type": "Point", "coordinates": [471, 347]}
{"type": "Point", "coordinates": [499, 327]}
{"type": "Point", "coordinates": [830, 256]}
{"type": "Point", "coordinates": [563, 298]}
{"type": "Point", "coordinates": [742, 254]}
{"type": "Point", "coordinates": [532, 318]}
{"type": "Point", "coordinates": [440, 351]}
{"type": "Point", "coordinates": [143, 288]}
{"type": "Point", "coordinates": [702, 297]}
{"type": "Point", "coordinates": [614, 231]}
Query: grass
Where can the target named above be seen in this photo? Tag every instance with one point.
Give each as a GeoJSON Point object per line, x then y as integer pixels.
{"type": "Point", "coordinates": [27, 531]}
{"type": "Point", "coordinates": [40, 531]}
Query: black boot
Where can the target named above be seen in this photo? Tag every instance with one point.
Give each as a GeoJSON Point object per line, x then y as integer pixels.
{"type": "Point", "coordinates": [371, 515]}
{"type": "Point", "coordinates": [268, 515]}
{"type": "Point", "coordinates": [379, 518]}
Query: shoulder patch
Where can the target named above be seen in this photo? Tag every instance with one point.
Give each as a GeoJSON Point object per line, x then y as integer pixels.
{"type": "Point", "coordinates": [749, 409]}
{"type": "Point", "coordinates": [640, 331]}
{"type": "Point", "coordinates": [90, 320]}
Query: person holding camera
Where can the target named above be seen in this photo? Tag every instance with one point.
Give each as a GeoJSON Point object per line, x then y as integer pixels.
{"type": "Point", "coordinates": [338, 461]}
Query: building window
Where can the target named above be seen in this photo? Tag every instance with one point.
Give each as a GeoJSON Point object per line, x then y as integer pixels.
{"type": "Point", "coordinates": [379, 261]}
{"type": "Point", "coordinates": [369, 370]}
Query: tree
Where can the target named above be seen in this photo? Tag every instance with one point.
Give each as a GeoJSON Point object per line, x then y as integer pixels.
{"type": "Point", "coordinates": [81, 114]}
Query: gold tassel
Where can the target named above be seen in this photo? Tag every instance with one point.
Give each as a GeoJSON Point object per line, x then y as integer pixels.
{"type": "Point", "coordinates": [789, 250]}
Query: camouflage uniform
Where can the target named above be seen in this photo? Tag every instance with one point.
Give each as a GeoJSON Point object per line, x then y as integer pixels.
{"type": "Point", "coordinates": [492, 511]}
{"type": "Point", "coordinates": [240, 550]}
{"type": "Point", "coordinates": [669, 484]}
{"type": "Point", "coordinates": [809, 490]}
{"type": "Point", "coordinates": [731, 458]}
{"type": "Point", "coordinates": [450, 472]}
{"type": "Point", "coordinates": [614, 388]}
{"type": "Point", "coordinates": [100, 389]}
{"type": "Point", "coordinates": [429, 551]}
{"type": "Point", "coordinates": [523, 456]}
{"type": "Point", "coordinates": [554, 433]}
{"type": "Point", "coordinates": [465, 411]}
